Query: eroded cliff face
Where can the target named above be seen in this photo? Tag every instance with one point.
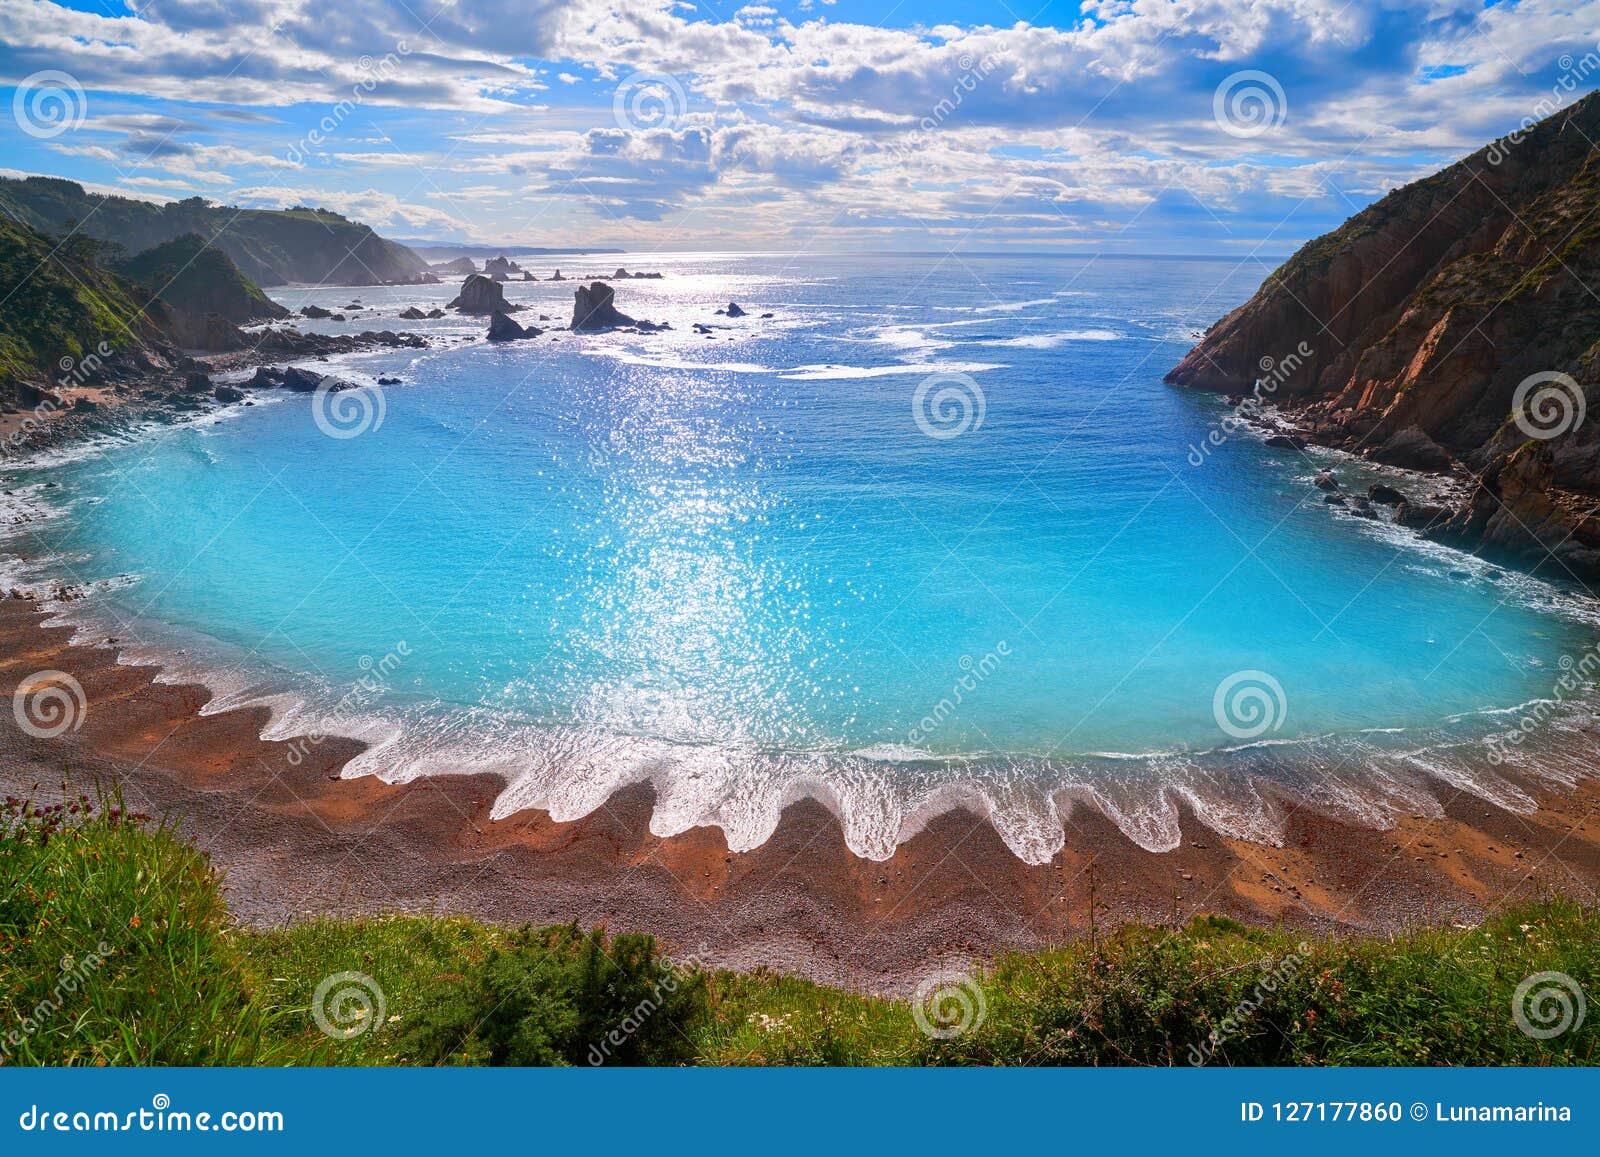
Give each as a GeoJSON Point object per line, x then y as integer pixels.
{"type": "Point", "coordinates": [1423, 319]}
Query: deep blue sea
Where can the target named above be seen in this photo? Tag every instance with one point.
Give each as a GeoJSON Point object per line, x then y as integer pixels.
{"type": "Point", "coordinates": [933, 533]}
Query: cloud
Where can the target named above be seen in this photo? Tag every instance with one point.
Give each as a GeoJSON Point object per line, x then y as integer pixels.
{"type": "Point", "coordinates": [1104, 127]}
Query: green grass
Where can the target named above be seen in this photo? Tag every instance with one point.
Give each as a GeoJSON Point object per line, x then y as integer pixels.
{"type": "Point", "coordinates": [161, 975]}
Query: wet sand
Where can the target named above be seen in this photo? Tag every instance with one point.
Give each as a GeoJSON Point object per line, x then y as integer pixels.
{"type": "Point", "coordinates": [295, 840]}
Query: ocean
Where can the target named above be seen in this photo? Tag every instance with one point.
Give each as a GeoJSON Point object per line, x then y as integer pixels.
{"type": "Point", "coordinates": [934, 533]}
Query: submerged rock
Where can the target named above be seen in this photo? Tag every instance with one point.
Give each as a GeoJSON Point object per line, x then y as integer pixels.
{"type": "Point", "coordinates": [1325, 481]}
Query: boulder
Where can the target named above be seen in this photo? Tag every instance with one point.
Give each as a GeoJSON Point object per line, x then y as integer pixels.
{"type": "Point", "coordinates": [301, 381]}
{"type": "Point", "coordinates": [1286, 442]}
{"type": "Point", "coordinates": [734, 310]}
{"type": "Point", "coordinates": [227, 394]}
{"type": "Point", "coordinates": [267, 378]}
{"type": "Point", "coordinates": [435, 313]}
{"type": "Point", "coordinates": [1414, 450]}
{"type": "Point", "coordinates": [592, 308]}
{"type": "Point", "coordinates": [1387, 495]}
{"type": "Point", "coordinates": [1333, 499]}
{"type": "Point", "coordinates": [1420, 516]}
{"type": "Point", "coordinates": [315, 311]}
{"type": "Point", "coordinates": [197, 383]}
{"type": "Point", "coordinates": [558, 276]}
{"type": "Point", "coordinates": [502, 328]}
{"type": "Point", "coordinates": [480, 294]}
{"type": "Point", "coordinates": [1325, 481]}
{"type": "Point", "coordinates": [412, 314]}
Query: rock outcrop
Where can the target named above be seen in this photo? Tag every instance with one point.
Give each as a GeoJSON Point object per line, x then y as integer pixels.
{"type": "Point", "coordinates": [459, 267]}
{"type": "Point", "coordinates": [1450, 326]}
{"type": "Point", "coordinates": [593, 308]}
{"type": "Point", "coordinates": [480, 294]}
{"type": "Point", "coordinates": [502, 328]}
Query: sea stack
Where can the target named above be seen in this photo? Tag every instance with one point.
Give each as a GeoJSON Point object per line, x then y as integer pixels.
{"type": "Point", "coordinates": [480, 294]}
{"type": "Point", "coordinates": [592, 308]}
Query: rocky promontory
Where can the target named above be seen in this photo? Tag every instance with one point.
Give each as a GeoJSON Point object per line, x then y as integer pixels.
{"type": "Point", "coordinates": [1450, 327]}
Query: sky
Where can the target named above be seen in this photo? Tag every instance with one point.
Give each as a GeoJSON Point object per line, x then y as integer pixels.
{"type": "Point", "coordinates": [1152, 126]}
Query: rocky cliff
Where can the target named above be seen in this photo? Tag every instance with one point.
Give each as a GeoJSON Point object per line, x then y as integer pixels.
{"type": "Point", "coordinates": [1453, 324]}
{"type": "Point", "coordinates": [271, 246]}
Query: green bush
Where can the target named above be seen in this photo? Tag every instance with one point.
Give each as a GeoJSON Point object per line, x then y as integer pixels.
{"type": "Point", "coordinates": [561, 996]}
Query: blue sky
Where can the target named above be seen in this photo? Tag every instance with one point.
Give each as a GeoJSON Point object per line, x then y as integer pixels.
{"type": "Point", "coordinates": [1180, 126]}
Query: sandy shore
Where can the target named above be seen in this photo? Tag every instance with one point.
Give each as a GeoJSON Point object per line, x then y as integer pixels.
{"type": "Point", "coordinates": [295, 840]}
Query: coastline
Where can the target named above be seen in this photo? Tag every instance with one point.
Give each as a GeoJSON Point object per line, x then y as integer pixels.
{"type": "Point", "coordinates": [296, 841]}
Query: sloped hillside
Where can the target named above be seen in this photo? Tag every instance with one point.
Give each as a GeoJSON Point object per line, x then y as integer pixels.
{"type": "Point", "coordinates": [270, 246]}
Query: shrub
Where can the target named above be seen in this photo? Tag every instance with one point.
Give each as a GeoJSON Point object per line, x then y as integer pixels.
{"type": "Point", "coordinates": [560, 996]}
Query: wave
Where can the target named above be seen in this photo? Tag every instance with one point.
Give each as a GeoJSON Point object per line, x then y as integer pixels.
{"type": "Point", "coordinates": [1045, 341]}
{"type": "Point", "coordinates": [830, 372]}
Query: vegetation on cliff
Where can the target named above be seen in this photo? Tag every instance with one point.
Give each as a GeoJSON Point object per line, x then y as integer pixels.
{"type": "Point", "coordinates": [190, 275]}
{"type": "Point", "coordinates": [270, 246]}
{"type": "Point", "coordinates": [116, 948]}
{"type": "Point", "coordinates": [59, 308]}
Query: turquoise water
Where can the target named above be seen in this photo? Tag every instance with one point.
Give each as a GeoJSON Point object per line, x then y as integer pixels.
{"type": "Point", "coordinates": [743, 568]}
